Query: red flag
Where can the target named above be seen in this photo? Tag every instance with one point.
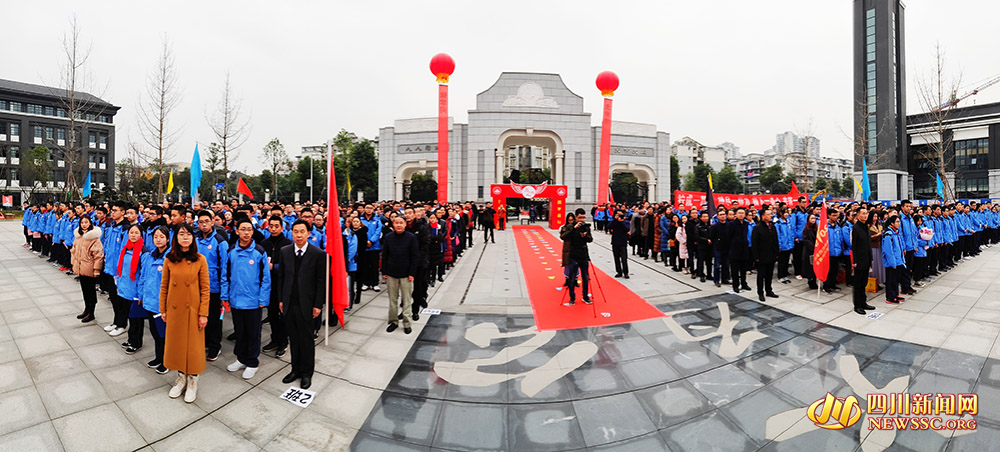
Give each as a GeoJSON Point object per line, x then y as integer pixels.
{"type": "Point", "coordinates": [821, 253]}
{"type": "Point", "coordinates": [611, 196]}
{"type": "Point", "coordinates": [794, 190]}
{"type": "Point", "coordinates": [335, 246]}
{"type": "Point", "coordinates": [242, 188]}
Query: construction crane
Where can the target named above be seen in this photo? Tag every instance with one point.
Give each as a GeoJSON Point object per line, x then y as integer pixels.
{"type": "Point", "coordinates": [956, 99]}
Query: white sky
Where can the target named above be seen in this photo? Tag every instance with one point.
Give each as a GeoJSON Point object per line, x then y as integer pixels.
{"type": "Point", "coordinates": [717, 71]}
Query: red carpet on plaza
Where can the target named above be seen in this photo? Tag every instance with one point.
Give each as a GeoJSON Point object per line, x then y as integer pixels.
{"type": "Point", "coordinates": [541, 255]}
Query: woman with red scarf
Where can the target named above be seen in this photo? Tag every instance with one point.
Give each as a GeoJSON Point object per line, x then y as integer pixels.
{"type": "Point", "coordinates": [127, 281]}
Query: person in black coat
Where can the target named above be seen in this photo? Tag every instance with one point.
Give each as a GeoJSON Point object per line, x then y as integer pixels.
{"type": "Point", "coordinates": [704, 247]}
{"type": "Point", "coordinates": [718, 236]}
{"type": "Point", "coordinates": [739, 250]}
{"type": "Point", "coordinates": [861, 249]}
{"type": "Point", "coordinates": [272, 246]}
{"type": "Point", "coordinates": [301, 279]}
{"type": "Point", "coordinates": [579, 257]}
{"type": "Point", "coordinates": [692, 242]}
{"type": "Point", "coordinates": [486, 217]}
{"type": "Point", "coordinates": [764, 247]}
{"type": "Point", "coordinates": [619, 244]}
{"type": "Point", "coordinates": [417, 224]}
{"type": "Point", "coordinates": [399, 267]}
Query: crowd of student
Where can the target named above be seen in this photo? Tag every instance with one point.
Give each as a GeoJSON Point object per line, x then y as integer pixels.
{"type": "Point", "coordinates": [895, 246]}
{"type": "Point", "coordinates": [193, 265]}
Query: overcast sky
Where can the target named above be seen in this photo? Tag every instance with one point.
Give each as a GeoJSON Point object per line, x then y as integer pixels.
{"type": "Point", "coordinates": [716, 71]}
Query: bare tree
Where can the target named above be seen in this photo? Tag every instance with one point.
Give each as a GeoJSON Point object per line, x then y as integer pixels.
{"type": "Point", "coordinates": [275, 156]}
{"type": "Point", "coordinates": [230, 128]}
{"type": "Point", "coordinates": [78, 105]}
{"type": "Point", "coordinates": [161, 98]}
{"type": "Point", "coordinates": [861, 136]}
{"type": "Point", "coordinates": [804, 162]}
{"type": "Point", "coordinates": [214, 160]}
{"type": "Point", "coordinates": [936, 93]}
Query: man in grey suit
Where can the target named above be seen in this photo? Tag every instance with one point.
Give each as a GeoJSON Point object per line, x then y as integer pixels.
{"type": "Point", "coordinates": [300, 276]}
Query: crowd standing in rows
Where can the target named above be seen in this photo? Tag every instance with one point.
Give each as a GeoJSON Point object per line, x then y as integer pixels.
{"type": "Point", "coordinates": [178, 270]}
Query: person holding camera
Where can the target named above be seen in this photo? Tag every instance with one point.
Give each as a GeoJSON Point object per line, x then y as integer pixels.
{"type": "Point", "coordinates": [619, 244]}
{"type": "Point", "coordinates": [579, 257]}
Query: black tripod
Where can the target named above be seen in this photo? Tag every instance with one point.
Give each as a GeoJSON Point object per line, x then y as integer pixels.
{"type": "Point", "coordinates": [593, 271]}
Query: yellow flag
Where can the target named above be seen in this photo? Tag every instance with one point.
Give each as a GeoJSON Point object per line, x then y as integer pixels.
{"type": "Point", "coordinates": [170, 183]}
{"type": "Point", "coordinates": [858, 184]}
{"type": "Point", "coordinates": [710, 181]}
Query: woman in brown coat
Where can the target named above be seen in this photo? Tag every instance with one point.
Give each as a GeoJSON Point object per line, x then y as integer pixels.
{"type": "Point", "coordinates": [87, 257]}
{"type": "Point", "coordinates": [184, 296]}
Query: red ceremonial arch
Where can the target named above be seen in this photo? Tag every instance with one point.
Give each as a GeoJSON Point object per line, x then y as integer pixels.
{"type": "Point", "coordinates": [556, 194]}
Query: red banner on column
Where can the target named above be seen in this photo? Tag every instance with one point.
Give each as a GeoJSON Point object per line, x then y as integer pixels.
{"type": "Point", "coordinates": [605, 156]}
{"type": "Point", "coordinates": [442, 143]}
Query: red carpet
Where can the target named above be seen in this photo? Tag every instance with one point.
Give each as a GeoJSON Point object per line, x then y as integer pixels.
{"type": "Point", "coordinates": [541, 254]}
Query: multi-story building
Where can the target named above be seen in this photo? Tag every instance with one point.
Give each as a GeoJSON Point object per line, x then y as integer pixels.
{"type": "Point", "coordinates": [800, 165]}
{"type": "Point", "coordinates": [691, 153]}
{"type": "Point", "coordinates": [880, 97]}
{"type": "Point", "coordinates": [732, 151]}
{"type": "Point", "coordinates": [971, 160]}
{"type": "Point", "coordinates": [789, 143]}
{"type": "Point", "coordinates": [34, 115]}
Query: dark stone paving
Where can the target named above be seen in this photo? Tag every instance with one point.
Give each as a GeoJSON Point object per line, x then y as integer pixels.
{"type": "Point", "coordinates": [651, 387]}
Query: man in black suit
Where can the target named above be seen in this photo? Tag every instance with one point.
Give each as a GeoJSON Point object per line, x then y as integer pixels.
{"type": "Point", "coordinates": [861, 248]}
{"type": "Point", "coordinates": [273, 246]}
{"type": "Point", "coordinates": [301, 277]}
{"type": "Point", "coordinates": [739, 250]}
{"type": "Point", "coordinates": [764, 247]}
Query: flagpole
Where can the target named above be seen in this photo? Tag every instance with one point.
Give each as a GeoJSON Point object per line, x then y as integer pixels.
{"type": "Point", "coordinates": [327, 300]}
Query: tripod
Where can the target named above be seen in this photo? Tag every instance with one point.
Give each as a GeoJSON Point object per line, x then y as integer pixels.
{"type": "Point", "coordinates": [593, 271]}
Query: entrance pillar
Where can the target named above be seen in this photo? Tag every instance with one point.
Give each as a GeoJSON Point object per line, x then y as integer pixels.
{"type": "Point", "coordinates": [498, 167]}
{"type": "Point", "coordinates": [559, 170]}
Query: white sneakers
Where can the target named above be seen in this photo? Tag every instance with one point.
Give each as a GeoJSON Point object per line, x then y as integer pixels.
{"type": "Point", "coordinates": [117, 331]}
{"type": "Point", "coordinates": [109, 328]}
{"type": "Point", "coordinates": [236, 365]}
{"type": "Point", "coordinates": [249, 373]}
{"type": "Point", "coordinates": [179, 385]}
{"type": "Point", "coordinates": [191, 393]}
{"type": "Point", "coordinates": [376, 288]}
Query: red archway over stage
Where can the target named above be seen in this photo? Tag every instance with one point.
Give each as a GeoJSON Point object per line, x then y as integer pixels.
{"type": "Point", "coordinates": [556, 194]}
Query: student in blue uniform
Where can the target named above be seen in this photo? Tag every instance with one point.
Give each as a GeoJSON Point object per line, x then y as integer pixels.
{"type": "Point", "coordinates": [248, 281]}
{"type": "Point", "coordinates": [215, 248]}
{"type": "Point", "coordinates": [151, 275]}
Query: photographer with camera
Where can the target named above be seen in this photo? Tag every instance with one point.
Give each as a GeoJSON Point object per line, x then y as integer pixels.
{"type": "Point", "coordinates": [619, 244]}
{"type": "Point", "coordinates": [579, 257]}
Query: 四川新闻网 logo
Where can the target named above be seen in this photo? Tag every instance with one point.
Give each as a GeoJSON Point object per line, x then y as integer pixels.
{"type": "Point", "coordinates": [834, 413]}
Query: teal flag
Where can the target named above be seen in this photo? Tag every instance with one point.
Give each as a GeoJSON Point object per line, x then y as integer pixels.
{"type": "Point", "coordinates": [195, 175]}
{"type": "Point", "coordinates": [86, 186]}
{"type": "Point", "coordinates": [866, 190]}
{"type": "Point", "coordinates": [940, 187]}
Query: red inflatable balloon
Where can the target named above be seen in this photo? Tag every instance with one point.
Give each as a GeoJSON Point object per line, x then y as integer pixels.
{"type": "Point", "coordinates": [442, 66]}
{"type": "Point", "coordinates": [607, 82]}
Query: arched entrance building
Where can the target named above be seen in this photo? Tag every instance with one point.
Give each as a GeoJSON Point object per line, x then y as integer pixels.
{"type": "Point", "coordinates": [529, 125]}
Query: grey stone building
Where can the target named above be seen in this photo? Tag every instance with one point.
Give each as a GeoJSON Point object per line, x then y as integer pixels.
{"type": "Point", "coordinates": [524, 122]}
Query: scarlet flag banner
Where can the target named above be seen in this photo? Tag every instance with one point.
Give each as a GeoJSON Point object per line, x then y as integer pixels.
{"type": "Point", "coordinates": [242, 188]}
{"type": "Point", "coordinates": [821, 253]}
{"type": "Point", "coordinates": [611, 196]}
{"type": "Point", "coordinates": [793, 191]}
{"type": "Point", "coordinates": [335, 246]}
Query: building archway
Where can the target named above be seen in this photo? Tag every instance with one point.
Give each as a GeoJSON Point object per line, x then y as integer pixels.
{"type": "Point", "coordinates": [542, 148]}
{"type": "Point", "coordinates": [645, 175]}
{"type": "Point", "coordinates": [404, 175]}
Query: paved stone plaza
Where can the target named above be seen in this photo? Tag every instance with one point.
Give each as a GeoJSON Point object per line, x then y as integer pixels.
{"type": "Point", "coordinates": [723, 372]}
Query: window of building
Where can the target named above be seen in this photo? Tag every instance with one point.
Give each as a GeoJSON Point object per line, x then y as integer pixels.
{"type": "Point", "coordinates": [3, 105]}
{"type": "Point", "coordinates": [972, 187]}
{"type": "Point", "coordinates": [60, 113]}
{"type": "Point", "coordinates": [60, 134]}
{"type": "Point", "coordinates": [15, 152]}
{"type": "Point", "coordinates": [90, 117]}
{"type": "Point", "coordinates": [15, 106]}
{"type": "Point", "coordinates": [972, 154]}
{"type": "Point", "coordinates": [37, 131]}
{"type": "Point", "coordinates": [103, 160]}
{"type": "Point", "coordinates": [50, 133]}
{"type": "Point", "coordinates": [13, 175]}
{"type": "Point", "coordinates": [49, 111]}
{"type": "Point", "coordinates": [93, 141]}
{"type": "Point", "coordinates": [579, 193]}
{"type": "Point", "coordinates": [15, 130]}
{"type": "Point", "coordinates": [33, 109]}
{"type": "Point", "coordinates": [103, 140]}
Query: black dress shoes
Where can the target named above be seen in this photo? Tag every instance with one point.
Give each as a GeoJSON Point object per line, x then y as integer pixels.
{"type": "Point", "coordinates": [306, 382]}
{"type": "Point", "coordinates": [81, 315]}
{"type": "Point", "coordinates": [760, 296]}
{"type": "Point", "coordinates": [289, 378]}
{"type": "Point", "coordinates": [860, 311]}
{"type": "Point", "coordinates": [869, 307]}
{"type": "Point", "coordinates": [772, 295]}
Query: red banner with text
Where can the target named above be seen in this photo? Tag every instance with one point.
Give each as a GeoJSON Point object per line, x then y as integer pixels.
{"type": "Point", "coordinates": [685, 200]}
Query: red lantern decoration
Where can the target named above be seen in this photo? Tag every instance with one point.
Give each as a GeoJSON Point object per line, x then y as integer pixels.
{"type": "Point", "coordinates": [607, 82]}
{"type": "Point", "coordinates": [443, 66]}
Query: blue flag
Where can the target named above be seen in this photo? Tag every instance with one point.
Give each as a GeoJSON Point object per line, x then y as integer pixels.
{"type": "Point", "coordinates": [866, 191]}
{"type": "Point", "coordinates": [940, 187]}
{"type": "Point", "coordinates": [195, 175]}
{"type": "Point", "coordinates": [86, 186]}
